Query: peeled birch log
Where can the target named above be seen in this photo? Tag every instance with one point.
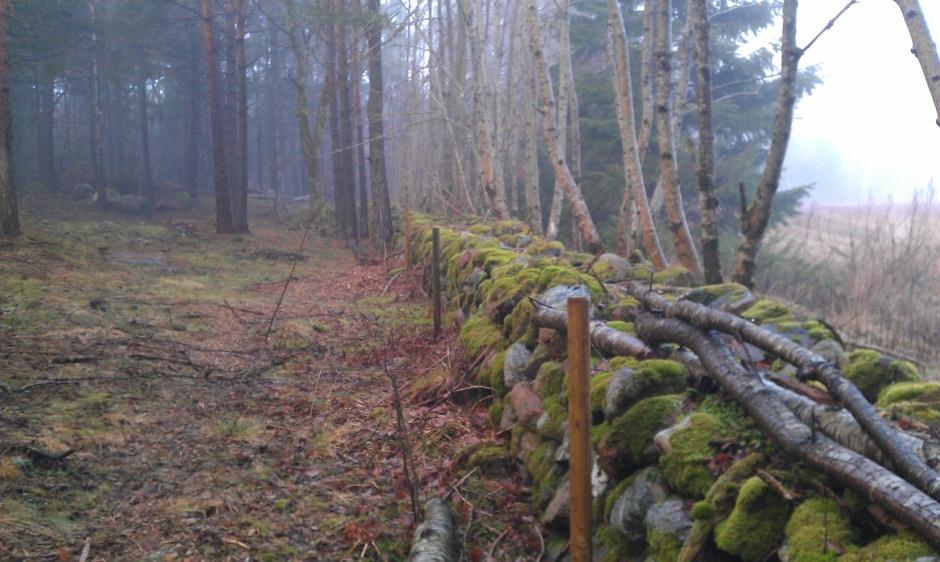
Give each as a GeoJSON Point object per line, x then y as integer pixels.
{"type": "Point", "coordinates": [603, 337]}
{"type": "Point", "coordinates": [434, 537]}
{"type": "Point", "coordinates": [897, 496]}
{"type": "Point", "coordinates": [902, 457]}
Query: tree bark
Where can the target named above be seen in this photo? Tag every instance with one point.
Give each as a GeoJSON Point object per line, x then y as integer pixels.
{"type": "Point", "coordinates": [240, 219]}
{"type": "Point", "coordinates": [345, 126]}
{"type": "Point", "coordinates": [562, 113]}
{"type": "Point", "coordinates": [46, 130]}
{"type": "Point", "coordinates": [755, 220]}
{"type": "Point", "coordinates": [603, 337]}
{"type": "Point", "coordinates": [634, 192]}
{"type": "Point", "coordinates": [381, 205]}
{"type": "Point", "coordinates": [482, 129]}
{"type": "Point", "coordinates": [924, 48]}
{"type": "Point", "coordinates": [646, 80]}
{"type": "Point", "coordinates": [705, 165]}
{"type": "Point", "coordinates": [908, 464]}
{"type": "Point", "coordinates": [309, 142]}
{"type": "Point", "coordinates": [675, 212]}
{"type": "Point", "coordinates": [96, 115]}
{"type": "Point", "coordinates": [9, 212]}
{"type": "Point", "coordinates": [357, 130]}
{"type": "Point", "coordinates": [223, 217]}
{"type": "Point", "coordinates": [579, 211]}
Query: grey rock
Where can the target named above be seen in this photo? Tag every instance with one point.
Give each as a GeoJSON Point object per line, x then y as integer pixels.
{"type": "Point", "coordinates": [515, 363]}
{"type": "Point", "coordinates": [509, 417]}
{"type": "Point", "coordinates": [627, 387]}
{"type": "Point", "coordinates": [831, 351]}
{"type": "Point", "coordinates": [557, 296]}
{"type": "Point", "coordinates": [628, 514]}
{"type": "Point", "coordinates": [559, 509]}
{"type": "Point", "coordinates": [669, 518]}
{"type": "Point", "coordinates": [619, 266]}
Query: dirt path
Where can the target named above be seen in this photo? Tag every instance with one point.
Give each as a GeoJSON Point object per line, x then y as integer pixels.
{"type": "Point", "coordinates": [193, 438]}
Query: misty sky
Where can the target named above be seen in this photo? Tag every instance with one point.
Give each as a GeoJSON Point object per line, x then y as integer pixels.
{"type": "Point", "coordinates": [869, 129]}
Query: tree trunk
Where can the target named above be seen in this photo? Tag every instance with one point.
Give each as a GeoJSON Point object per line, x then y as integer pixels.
{"type": "Point", "coordinates": [646, 79]}
{"type": "Point", "coordinates": [634, 193]}
{"type": "Point", "coordinates": [46, 130]}
{"type": "Point", "coordinates": [310, 147]}
{"type": "Point", "coordinates": [924, 48]}
{"type": "Point", "coordinates": [145, 137]}
{"type": "Point", "coordinates": [755, 219]}
{"type": "Point", "coordinates": [223, 217]}
{"type": "Point", "coordinates": [96, 115]}
{"type": "Point", "coordinates": [530, 158]}
{"type": "Point", "coordinates": [274, 129]}
{"type": "Point", "coordinates": [358, 125]}
{"type": "Point", "coordinates": [193, 129]}
{"type": "Point", "coordinates": [705, 165]}
{"type": "Point", "coordinates": [381, 205]}
{"type": "Point", "coordinates": [580, 213]}
{"type": "Point", "coordinates": [9, 213]}
{"type": "Point", "coordinates": [482, 129]}
{"type": "Point", "coordinates": [345, 127]}
{"type": "Point", "coordinates": [669, 175]}
{"type": "Point", "coordinates": [564, 107]}
{"type": "Point", "coordinates": [241, 151]}
{"type": "Point", "coordinates": [332, 88]}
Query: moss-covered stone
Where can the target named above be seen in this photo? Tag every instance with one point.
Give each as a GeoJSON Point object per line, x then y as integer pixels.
{"type": "Point", "coordinates": [550, 380]}
{"type": "Point", "coordinates": [599, 384]}
{"type": "Point", "coordinates": [509, 290]}
{"type": "Point", "coordinates": [621, 326]}
{"type": "Point", "coordinates": [479, 333]}
{"type": "Point", "coordinates": [676, 276]}
{"type": "Point", "coordinates": [918, 400]}
{"type": "Point", "coordinates": [518, 325]}
{"type": "Point", "coordinates": [541, 467]}
{"type": "Point", "coordinates": [871, 372]}
{"type": "Point", "coordinates": [627, 442]}
{"type": "Point", "coordinates": [662, 547]}
{"type": "Point", "coordinates": [816, 330]}
{"type": "Point", "coordinates": [492, 460]}
{"type": "Point", "coordinates": [816, 530]}
{"type": "Point", "coordinates": [901, 547]}
{"type": "Point", "coordinates": [703, 510]}
{"type": "Point", "coordinates": [556, 416]}
{"type": "Point", "coordinates": [755, 523]}
{"type": "Point", "coordinates": [625, 309]}
{"type": "Point", "coordinates": [685, 466]}
{"type": "Point", "coordinates": [611, 546]}
{"type": "Point", "coordinates": [766, 311]}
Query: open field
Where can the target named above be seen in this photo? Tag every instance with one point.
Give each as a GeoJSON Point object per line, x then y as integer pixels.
{"type": "Point", "coordinates": [873, 271]}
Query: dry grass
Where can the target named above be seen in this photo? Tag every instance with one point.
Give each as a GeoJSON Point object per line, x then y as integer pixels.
{"type": "Point", "coordinates": [873, 271]}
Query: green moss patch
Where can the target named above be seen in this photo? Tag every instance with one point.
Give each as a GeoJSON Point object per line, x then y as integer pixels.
{"type": "Point", "coordinates": [766, 311]}
{"type": "Point", "coordinates": [871, 372]}
{"type": "Point", "coordinates": [479, 333]}
{"type": "Point", "coordinates": [902, 547]}
{"type": "Point", "coordinates": [685, 466]}
{"type": "Point", "coordinates": [816, 530]}
{"type": "Point", "coordinates": [627, 442]}
{"type": "Point", "coordinates": [755, 523]}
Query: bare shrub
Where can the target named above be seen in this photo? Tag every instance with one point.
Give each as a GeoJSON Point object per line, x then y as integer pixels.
{"type": "Point", "coordinates": [872, 271]}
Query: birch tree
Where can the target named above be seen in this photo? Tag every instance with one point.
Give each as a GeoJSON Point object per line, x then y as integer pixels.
{"type": "Point", "coordinates": [579, 211]}
{"type": "Point", "coordinates": [669, 176]}
{"type": "Point", "coordinates": [924, 48]}
{"type": "Point", "coordinates": [756, 216]}
{"type": "Point", "coordinates": [9, 213]}
{"type": "Point", "coordinates": [634, 193]}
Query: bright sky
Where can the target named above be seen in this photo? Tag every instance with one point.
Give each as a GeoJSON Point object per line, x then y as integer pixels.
{"type": "Point", "coordinates": [869, 130]}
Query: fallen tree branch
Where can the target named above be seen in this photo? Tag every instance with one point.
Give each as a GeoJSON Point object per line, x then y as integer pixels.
{"type": "Point", "coordinates": [908, 464]}
{"type": "Point", "coordinates": [603, 337]}
{"type": "Point", "coordinates": [897, 496]}
{"type": "Point", "coordinates": [434, 537]}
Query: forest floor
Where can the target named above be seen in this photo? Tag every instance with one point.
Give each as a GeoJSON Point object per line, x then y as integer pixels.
{"type": "Point", "coordinates": [140, 347]}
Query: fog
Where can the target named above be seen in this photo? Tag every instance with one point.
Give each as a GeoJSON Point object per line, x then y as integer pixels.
{"type": "Point", "coordinates": [868, 131]}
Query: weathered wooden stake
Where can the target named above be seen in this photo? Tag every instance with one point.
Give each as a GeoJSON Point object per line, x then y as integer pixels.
{"type": "Point", "coordinates": [407, 239]}
{"type": "Point", "coordinates": [436, 280]}
{"type": "Point", "coordinates": [579, 427]}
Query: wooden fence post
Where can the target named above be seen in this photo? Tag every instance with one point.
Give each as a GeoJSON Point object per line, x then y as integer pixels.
{"type": "Point", "coordinates": [579, 427]}
{"type": "Point", "coordinates": [407, 239]}
{"type": "Point", "coordinates": [436, 280]}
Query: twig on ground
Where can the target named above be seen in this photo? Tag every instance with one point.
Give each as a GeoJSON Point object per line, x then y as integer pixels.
{"type": "Point", "coordinates": [404, 444]}
{"type": "Point", "coordinates": [290, 276]}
